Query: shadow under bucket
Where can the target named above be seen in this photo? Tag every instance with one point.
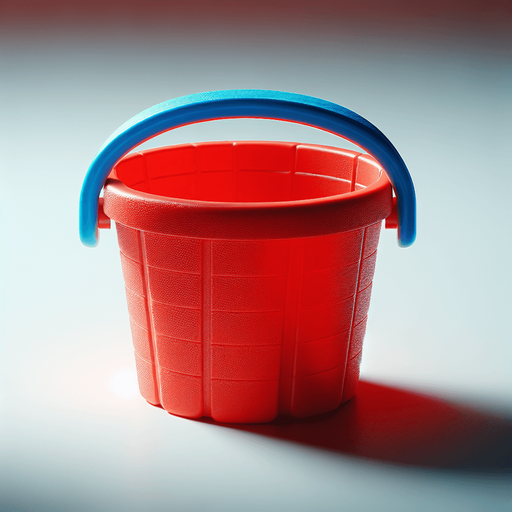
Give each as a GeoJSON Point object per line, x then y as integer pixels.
{"type": "Point", "coordinates": [248, 269]}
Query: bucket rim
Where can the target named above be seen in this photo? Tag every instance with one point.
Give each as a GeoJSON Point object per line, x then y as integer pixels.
{"type": "Point", "coordinates": [381, 183]}
{"type": "Point", "coordinates": [205, 219]}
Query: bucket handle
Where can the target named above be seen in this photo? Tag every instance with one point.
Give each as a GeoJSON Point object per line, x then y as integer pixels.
{"type": "Point", "coordinates": [250, 103]}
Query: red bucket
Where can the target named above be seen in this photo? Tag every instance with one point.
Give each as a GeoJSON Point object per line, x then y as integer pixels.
{"type": "Point", "coordinates": [248, 269]}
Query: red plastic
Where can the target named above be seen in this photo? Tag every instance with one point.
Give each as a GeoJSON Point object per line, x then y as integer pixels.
{"type": "Point", "coordinates": [248, 269]}
{"type": "Point", "coordinates": [391, 221]}
{"type": "Point", "coordinates": [103, 220]}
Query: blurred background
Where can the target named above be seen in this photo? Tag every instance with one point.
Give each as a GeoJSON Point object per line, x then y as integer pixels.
{"type": "Point", "coordinates": [435, 77]}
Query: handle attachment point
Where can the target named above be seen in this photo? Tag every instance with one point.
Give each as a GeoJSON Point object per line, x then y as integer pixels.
{"type": "Point", "coordinates": [391, 221]}
{"type": "Point", "coordinates": [103, 219]}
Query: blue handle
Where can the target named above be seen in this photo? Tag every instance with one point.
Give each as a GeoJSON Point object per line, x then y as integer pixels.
{"type": "Point", "coordinates": [284, 106]}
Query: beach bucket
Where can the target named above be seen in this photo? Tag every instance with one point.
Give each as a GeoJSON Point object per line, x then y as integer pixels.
{"type": "Point", "coordinates": [248, 266]}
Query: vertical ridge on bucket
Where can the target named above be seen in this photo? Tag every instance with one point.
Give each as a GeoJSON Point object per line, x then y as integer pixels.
{"type": "Point", "coordinates": [354, 310]}
{"type": "Point", "coordinates": [353, 176]}
{"type": "Point", "coordinates": [151, 329]}
{"type": "Point", "coordinates": [291, 314]}
{"type": "Point", "coordinates": [329, 276]}
{"type": "Point", "coordinates": [358, 329]}
{"type": "Point", "coordinates": [248, 302]}
{"type": "Point", "coordinates": [139, 310]}
{"type": "Point", "coordinates": [206, 308]}
{"type": "Point", "coordinates": [173, 266]}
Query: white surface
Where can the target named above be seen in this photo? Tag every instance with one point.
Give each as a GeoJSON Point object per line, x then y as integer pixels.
{"type": "Point", "coordinates": [74, 435]}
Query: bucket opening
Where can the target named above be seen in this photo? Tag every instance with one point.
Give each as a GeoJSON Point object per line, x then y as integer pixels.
{"type": "Point", "coordinates": [248, 172]}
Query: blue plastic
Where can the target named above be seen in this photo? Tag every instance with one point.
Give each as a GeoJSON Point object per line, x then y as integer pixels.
{"type": "Point", "coordinates": [250, 103]}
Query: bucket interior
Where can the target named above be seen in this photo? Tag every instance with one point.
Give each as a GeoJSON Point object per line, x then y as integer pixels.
{"type": "Point", "coordinates": [248, 171]}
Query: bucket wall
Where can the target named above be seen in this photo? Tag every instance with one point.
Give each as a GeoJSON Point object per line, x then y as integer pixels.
{"type": "Point", "coordinates": [245, 330]}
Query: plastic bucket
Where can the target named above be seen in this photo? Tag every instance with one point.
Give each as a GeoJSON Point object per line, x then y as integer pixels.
{"type": "Point", "coordinates": [248, 269]}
